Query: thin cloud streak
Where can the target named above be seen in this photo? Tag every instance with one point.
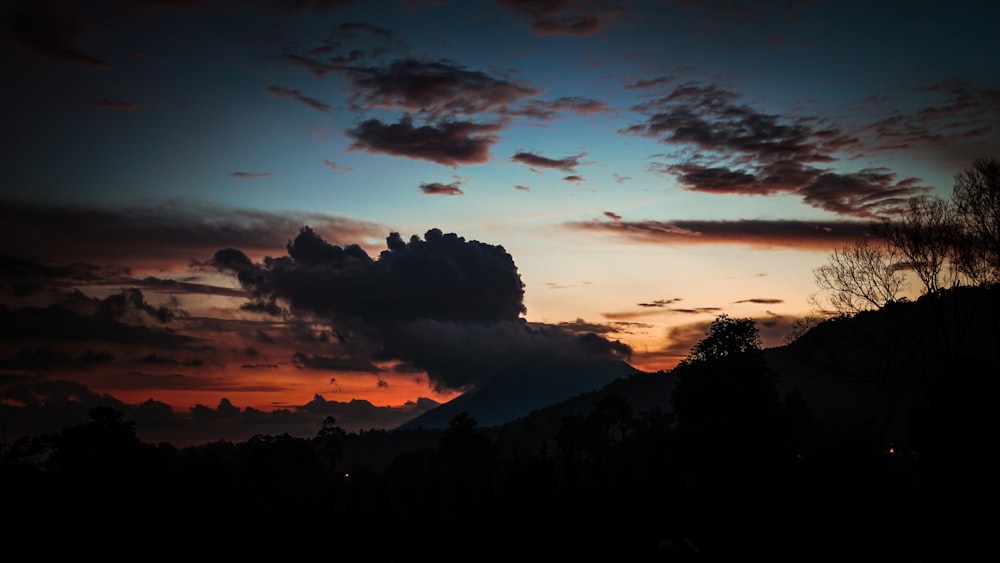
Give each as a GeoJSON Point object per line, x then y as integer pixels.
{"type": "Point", "coordinates": [804, 235]}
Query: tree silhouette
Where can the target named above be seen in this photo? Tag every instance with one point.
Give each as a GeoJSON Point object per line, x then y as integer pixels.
{"type": "Point", "coordinates": [976, 198]}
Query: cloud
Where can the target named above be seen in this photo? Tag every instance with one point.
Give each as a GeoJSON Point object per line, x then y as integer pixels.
{"type": "Point", "coordinates": [336, 167]}
{"type": "Point", "coordinates": [303, 361]}
{"type": "Point", "coordinates": [179, 231]}
{"type": "Point", "coordinates": [290, 94]}
{"type": "Point", "coordinates": [647, 83]}
{"type": "Point", "coordinates": [297, 6]}
{"type": "Point", "coordinates": [558, 17]}
{"type": "Point", "coordinates": [32, 405]}
{"type": "Point", "coordinates": [437, 188]}
{"type": "Point", "coordinates": [446, 305]}
{"type": "Point", "coordinates": [106, 103]}
{"type": "Point", "coordinates": [660, 302]}
{"type": "Point", "coordinates": [613, 216]}
{"type": "Point", "coordinates": [449, 143]}
{"type": "Point", "coordinates": [101, 323]}
{"type": "Point", "coordinates": [436, 89]}
{"type": "Point", "coordinates": [251, 175]}
{"type": "Point", "coordinates": [574, 178]}
{"type": "Point", "coordinates": [657, 311]}
{"type": "Point", "coordinates": [813, 235]}
{"type": "Point", "coordinates": [522, 188]}
{"type": "Point", "coordinates": [579, 326]}
{"type": "Point", "coordinates": [351, 44]}
{"type": "Point", "coordinates": [53, 30]}
{"type": "Point", "coordinates": [730, 147]}
{"type": "Point", "coordinates": [566, 164]}
{"type": "Point", "coordinates": [762, 301]}
{"type": "Point", "coordinates": [545, 110]}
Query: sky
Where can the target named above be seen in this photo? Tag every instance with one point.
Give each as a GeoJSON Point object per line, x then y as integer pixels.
{"type": "Point", "coordinates": [240, 217]}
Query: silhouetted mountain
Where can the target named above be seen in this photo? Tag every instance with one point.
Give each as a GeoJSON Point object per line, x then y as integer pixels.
{"type": "Point", "coordinates": [505, 399]}
{"type": "Point", "coordinates": [878, 364]}
{"type": "Point", "coordinates": [871, 368]}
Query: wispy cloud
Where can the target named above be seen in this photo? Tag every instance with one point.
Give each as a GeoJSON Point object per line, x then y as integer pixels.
{"type": "Point", "coordinates": [730, 147]}
{"type": "Point", "coordinates": [437, 188]}
{"type": "Point", "coordinates": [251, 175]}
{"type": "Point", "coordinates": [291, 94]}
{"type": "Point", "coordinates": [558, 17]}
{"type": "Point", "coordinates": [566, 164]}
{"type": "Point", "coordinates": [820, 235]}
{"type": "Point", "coordinates": [336, 167]}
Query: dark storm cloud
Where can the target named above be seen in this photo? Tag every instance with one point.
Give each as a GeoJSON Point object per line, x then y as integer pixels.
{"type": "Point", "coordinates": [61, 323]}
{"type": "Point", "coordinates": [734, 148]}
{"type": "Point", "coordinates": [302, 360]}
{"type": "Point", "coordinates": [107, 103]}
{"type": "Point", "coordinates": [21, 278]}
{"type": "Point", "coordinates": [435, 88]}
{"type": "Point", "coordinates": [291, 94]}
{"type": "Point", "coordinates": [52, 29]}
{"type": "Point", "coordinates": [449, 143]}
{"type": "Point", "coordinates": [449, 306]}
{"type": "Point", "coordinates": [43, 358]}
{"type": "Point", "coordinates": [183, 288]}
{"type": "Point", "coordinates": [566, 164]}
{"type": "Point", "coordinates": [820, 235]}
{"type": "Point", "coordinates": [562, 17]}
{"type": "Point", "coordinates": [178, 232]}
{"type": "Point", "coordinates": [458, 355]}
{"type": "Point", "coordinates": [442, 277]}
{"type": "Point", "coordinates": [437, 188]}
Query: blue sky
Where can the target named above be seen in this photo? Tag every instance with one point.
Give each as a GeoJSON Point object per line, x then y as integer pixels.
{"type": "Point", "coordinates": [645, 165]}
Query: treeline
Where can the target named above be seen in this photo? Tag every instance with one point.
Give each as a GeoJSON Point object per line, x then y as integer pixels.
{"type": "Point", "coordinates": [732, 471]}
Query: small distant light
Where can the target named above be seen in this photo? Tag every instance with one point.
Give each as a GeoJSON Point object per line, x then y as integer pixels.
{"type": "Point", "coordinates": [346, 475]}
{"type": "Point", "coordinates": [892, 451]}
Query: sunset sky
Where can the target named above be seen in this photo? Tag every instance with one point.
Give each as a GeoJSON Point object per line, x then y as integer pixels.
{"type": "Point", "coordinates": [235, 217]}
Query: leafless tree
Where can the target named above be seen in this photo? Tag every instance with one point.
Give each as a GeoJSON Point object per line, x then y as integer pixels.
{"type": "Point", "coordinates": [925, 236]}
{"type": "Point", "coordinates": [976, 199]}
{"type": "Point", "coordinates": [861, 276]}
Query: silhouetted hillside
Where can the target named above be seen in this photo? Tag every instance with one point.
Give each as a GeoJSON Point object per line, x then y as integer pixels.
{"type": "Point", "coordinates": [505, 399]}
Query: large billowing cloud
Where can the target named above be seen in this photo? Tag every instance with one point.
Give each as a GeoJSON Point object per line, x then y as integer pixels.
{"type": "Point", "coordinates": [731, 147]}
{"type": "Point", "coordinates": [446, 305]}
